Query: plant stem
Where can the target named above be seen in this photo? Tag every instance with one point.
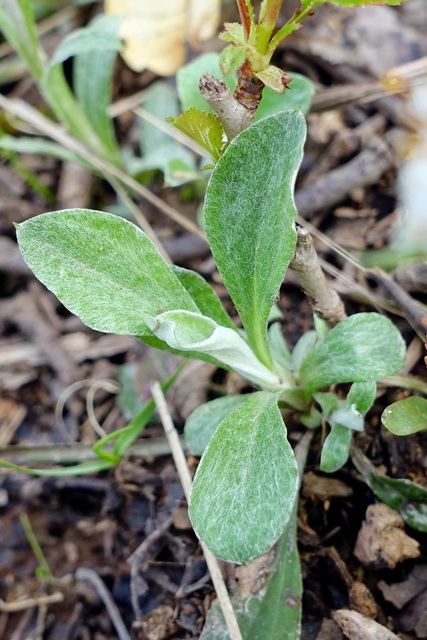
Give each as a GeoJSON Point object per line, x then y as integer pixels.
{"type": "Point", "coordinates": [245, 7]}
{"type": "Point", "coordinates": [268, 15]}
{"type": "Point", "coordinates": [325, 301]}
{"type": "Point", "coordinates": [234, 116]}
{"type": "Point", "coordinates": [292, 24]}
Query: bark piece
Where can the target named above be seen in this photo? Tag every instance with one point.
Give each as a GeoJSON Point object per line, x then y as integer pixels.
{"type": "Point", "coordinates": [381, 541]}
{"type": "Point", "coordinates": [355, 626]}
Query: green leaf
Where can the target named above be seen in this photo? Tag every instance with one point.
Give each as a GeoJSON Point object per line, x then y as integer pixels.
{"type": "Point", "coordinates": [102, 268]}
{"type": "Point", "coordinates": [189, 76]}
{"type": "Point", "coordinates": [302, 348]}
{"type": "Point", "coordinates": [159, 149]}
{"type": "Point", "coordinates": [203, 421]}
{"type": "Point", "coordinates": [204, 296]}
{"type": "Point", "coordinates": [58, 93]}
{"type": "Point", "coordinates": [298, 94]}
{"type": "Point", "coordinates": [204, 128]}
{"type": "Point", "coordinates": [362, 395]}
{"type": "Point", "coordinates": [41, 146]}
{"type": "Point", "coordinates": [250, 214]}
{"type": "Point", "coordinates": [406, 497]}
{"type": "Point", "coordinates": [87, 40]}
{"type": "Point", "coordinates": [406, 416]}
{"type": "Point", "coordinates": [94, 466]}
{"type": "Point", "coordinates": [187, 331]}
{"type": "Point", "coordinates": [335, 449]}
{"type": "Point", "coordinates": [274, 78]}
{"type": "Point", "coordinates": [275, 578]}
{"type": "Point", "coordinates": [92, 79]}
{"type": "Point", "coordinates": [232, 58]}
{"type": "Point", "coordinates": [245, 486]}
{"type": "Point", "coordinates": [18, 24]}
{"type": "Point", "coordinates": [233, 32]}
{"type": "Point", "coordinates": [348, 417]}
{"type": "Point", "coordinates": [363, 347]}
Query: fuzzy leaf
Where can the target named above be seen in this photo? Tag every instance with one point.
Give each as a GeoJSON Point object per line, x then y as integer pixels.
{"type": "Point", "coordinates": [233, 32]}
{"type": "Point", "coordinates": [362, 396]}
{"type": "Point", "coordinates": [245, 486]}
{"type": "Point", "coordinates": [203, 421]}
{"type": "Point", "coordinates": [189, 332]}
{"type": "Point", "coordinates": [274, 78]}
{"type": "Point", "coordinates": [365, 346]}
{"type": "Point", "coordinates": [298, 94]}
{"type": "Point", "coordinates": [250, 214]}
{"type": "Point", "coordinates": [102, 268]}
{"type": "Point", "coordinates": [335, 449]}
{"type": "Point", "coordinates": [232, 58]}
{"type": "Point", "coordinates": [405, 417]}
{"type": "Point", "coordinates": [204, 128]}
{"type": "Point", "coordinates": [204, 296]}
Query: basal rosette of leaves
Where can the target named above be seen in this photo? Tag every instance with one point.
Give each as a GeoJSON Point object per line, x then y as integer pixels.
{"type": "Point", "coordinates": [107, 271]}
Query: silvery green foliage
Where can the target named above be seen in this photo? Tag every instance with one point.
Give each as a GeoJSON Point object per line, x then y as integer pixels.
{"type": "Point", "coordinates": [110, 274]}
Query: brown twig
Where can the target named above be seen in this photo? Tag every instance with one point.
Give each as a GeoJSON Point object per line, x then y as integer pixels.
{"type": "Point", "coordinates": [325, 301]}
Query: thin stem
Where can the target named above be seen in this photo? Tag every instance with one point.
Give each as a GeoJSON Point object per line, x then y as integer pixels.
{"type": "Point", "coordinates": [268, 15]}
{"type": "Point", "coordinates": [245, 16]}
{"type": "Point", "coordinates": [292, 24]}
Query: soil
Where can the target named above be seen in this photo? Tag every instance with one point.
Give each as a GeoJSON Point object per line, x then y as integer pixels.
{"type": "Point", "coordinates": [57, 375]}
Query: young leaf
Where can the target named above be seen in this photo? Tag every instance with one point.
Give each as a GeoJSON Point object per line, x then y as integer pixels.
{"type": "Point", "coordinates": [232, 58]}
{"type": "Point", "coordinates": [250, 214]}
{"type": "Point", "coordinates": [365, 346]}
{"type": "Point", "coordinates": [298, 94]}
{"type": "Point", "coordinates": [102, 268]}
{"type": "Point", "coordinates": [18, 24]}
{"type": "Point", "coordinates": [204, 296]}
{"type": "Point", "coordinates": [362, 395]}
{"type": "Point", "coordinates": [204, 128]}
{"type": "Point", "coordinates": [189, 332]}
{"type": "Point", "coordinates": [405, 417]}
{"type": "Point", "coordinates": [335, 449]}
{"type": "Point", "coordinates": [245, 486]}
{"type": "Point", "coordinates": [203, 422]}
{"type": "Point", "coordinates": [92, 78]}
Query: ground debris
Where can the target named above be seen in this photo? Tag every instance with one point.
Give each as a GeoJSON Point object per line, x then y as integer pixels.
{"type": "Point", "coordinates": [381, 541]}
{"type": "Point", "coordinates": [355, 626]}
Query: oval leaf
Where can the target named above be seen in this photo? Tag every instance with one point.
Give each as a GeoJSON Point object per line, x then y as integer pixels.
{"type": "Point", "coordinates": [405, 417]}
{"type": "Point", "coordinates": [102, 268]}
{"type": "Point", "coordinates": [250, 214]}
{"type": "Point", "coordinates": [335, 449]}
{"type": "Point", "coordinates": [203, 421]}
{"type": "Point", "coordinates": [363, 347]}
{"type": "Point", "coordinates": [246, 483]}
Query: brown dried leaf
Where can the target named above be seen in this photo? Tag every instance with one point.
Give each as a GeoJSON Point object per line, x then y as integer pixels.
{"type": "Point", "coordinates": [381, 541]}
{"type": "Point", "coordinates": [155, 33]}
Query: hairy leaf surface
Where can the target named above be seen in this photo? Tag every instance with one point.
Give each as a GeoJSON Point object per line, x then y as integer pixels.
{"type": "Point", "coordinates": [203, 421]}
{"type": "Point", "coordinates": [365, 346]}
{"type": "Point", "coordinates": [102, 268]}
{"type": "Point", "coordinates": [250, 214]}
{"type": "Point", "coordinates": [405, 417]}
{"type": "Point", "coordinates": [246, 483]}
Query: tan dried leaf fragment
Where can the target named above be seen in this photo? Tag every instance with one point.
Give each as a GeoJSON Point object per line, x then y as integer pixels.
{"type": "Point", "coordinates": [155, 33]}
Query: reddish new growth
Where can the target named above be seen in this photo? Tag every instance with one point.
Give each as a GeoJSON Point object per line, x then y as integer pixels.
{"type": "Point", "coordinates": [424, 321]}
{"type": "Point", "coordinates": [249, 88]}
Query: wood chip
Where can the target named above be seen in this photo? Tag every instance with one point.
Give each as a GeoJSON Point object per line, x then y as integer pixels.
{"type": "Point", "coordinates": [355, 626]}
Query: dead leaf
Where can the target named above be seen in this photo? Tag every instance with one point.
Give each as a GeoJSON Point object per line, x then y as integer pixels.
{"type": "Point", "coordinates": [381, 541]}
{"type": "Point", "coordinates": [358, 627]}
{"type": "Point", "coordinates": [155, 33]}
